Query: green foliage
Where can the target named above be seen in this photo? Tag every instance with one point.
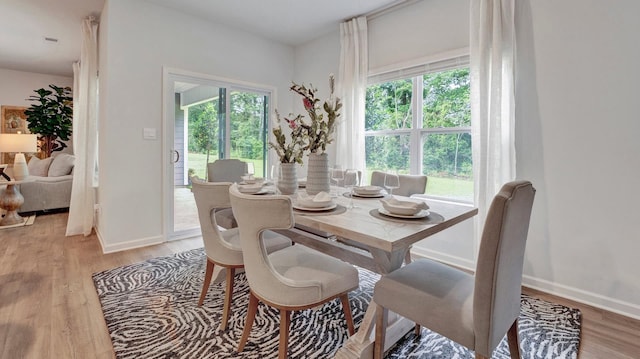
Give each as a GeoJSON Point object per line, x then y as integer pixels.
{"type": "Point", "coordinates": [203, 127]}
{"type": "Point", "coordinates": [247, 124]}
{"type": "Point", "coordinates": [445, 104]}
{"type": "Point", "coordinates": [51, 117]}
{"type": "Point", "coordinates": [289, 151]}
{"type": "Point", "coordinates": [318, 133]}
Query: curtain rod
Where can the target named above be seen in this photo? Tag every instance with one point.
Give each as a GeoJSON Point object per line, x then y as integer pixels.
{"type": "Point", "coordinates": [396, 5]}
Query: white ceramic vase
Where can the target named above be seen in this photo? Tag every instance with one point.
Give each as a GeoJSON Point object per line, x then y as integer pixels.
{"type": "Point", "coordinates": [288, 180]}
{"type": "Point", "coordinates": [318, 173]}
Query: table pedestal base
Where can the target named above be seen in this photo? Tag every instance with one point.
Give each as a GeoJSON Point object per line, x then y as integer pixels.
{"type": "Point", "coordinates": [10, 200]}
{"type": "Point", "coordinates": [360, 345]}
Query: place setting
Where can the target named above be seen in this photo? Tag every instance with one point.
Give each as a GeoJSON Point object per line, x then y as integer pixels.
{"type": "Point", "coordinates": [395, 209]}
{"type": "Point", "coordinates": [253, 185]}
{"type": "Point", "coordinates": [319, 204]}
{"type": "Point", "coordinates": [366, 192]}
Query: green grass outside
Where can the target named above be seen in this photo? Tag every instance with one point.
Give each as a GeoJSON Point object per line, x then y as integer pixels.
{"type": "Point", "coordinates": [198, 161]}
{"type": "Point", "coordinates": [437, 186]}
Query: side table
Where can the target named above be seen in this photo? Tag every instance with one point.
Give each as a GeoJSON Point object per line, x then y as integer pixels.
{"type": "Point", "coordinates": [10, 200]}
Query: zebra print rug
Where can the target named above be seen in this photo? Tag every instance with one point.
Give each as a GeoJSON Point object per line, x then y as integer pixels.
{"type": "Point", "coordinates": [151, 311]}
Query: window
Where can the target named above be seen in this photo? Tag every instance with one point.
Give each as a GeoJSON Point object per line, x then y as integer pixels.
{"type": "Point", "coordinates": [244, 137]}
{"type": "Point", "coordinates": [418, 121]}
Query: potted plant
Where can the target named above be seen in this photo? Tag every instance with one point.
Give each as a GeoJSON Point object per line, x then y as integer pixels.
{"type": "Point", "coordinates": [51, 118]}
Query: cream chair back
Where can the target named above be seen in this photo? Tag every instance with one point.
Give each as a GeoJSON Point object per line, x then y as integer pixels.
{"type": "Point", "coordinates": [496, 302]}
{"type": "Point", "coordinates": [210, 197]}
{"type": "Point", "coordinates": [409, 184]}
{"type": "Point", "coordinates": [226, 170]}
{"type": "Point", "coordinates": [256, 214]}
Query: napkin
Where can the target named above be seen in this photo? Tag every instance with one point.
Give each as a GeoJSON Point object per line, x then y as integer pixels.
{"type": "Point", "coordinates": [367, 189]}
{"type": "Point", "coordinates": [321, 199]}
{"type": "Point", "coordinates": [249, 188]}
{"type": "Point", "coordinates": [409, 207]}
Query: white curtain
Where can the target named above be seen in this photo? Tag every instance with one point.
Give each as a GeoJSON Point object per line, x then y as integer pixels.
{"type": "Point", "coordinates": [492, 52]}
{"type": "Point", "coordinates": [85, 136]}
{"type": "Point", "coordinates": [352, 86]}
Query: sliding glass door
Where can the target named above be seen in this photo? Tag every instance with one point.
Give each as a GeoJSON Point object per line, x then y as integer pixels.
{"type": "Point", "coordinates": [207, 119]}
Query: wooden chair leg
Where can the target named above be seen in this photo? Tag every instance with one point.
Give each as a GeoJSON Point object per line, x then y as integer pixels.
{"type": "Point", "coordinates": [479, 356]}
{"type": "Point", "coordinates": [228, 298]}
{"type": "Point", "coordinates": [514, 342]}
{"type": "Point", "coordinates": [251, 315]}
{"type": "Point", "coordinates": [285, 321]}
{"type": "Point", "coordinates": [207, 281]}
{"type": "Point", "coordinates": [346, 307]}
{"type": "Point", "coordinates": [417, 329]}
{"type": "Point", "coordinates": [382, 316]}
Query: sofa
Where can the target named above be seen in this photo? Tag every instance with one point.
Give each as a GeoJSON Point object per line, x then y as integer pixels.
{"type": "Point", "coordinates": [50, 183]}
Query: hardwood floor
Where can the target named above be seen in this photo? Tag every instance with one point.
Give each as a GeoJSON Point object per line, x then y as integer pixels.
{"type": "Point", "coordinates": [49, 307]}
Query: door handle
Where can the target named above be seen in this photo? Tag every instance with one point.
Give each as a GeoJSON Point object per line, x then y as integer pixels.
{"type": "Point", "coordinates": [177, 157]}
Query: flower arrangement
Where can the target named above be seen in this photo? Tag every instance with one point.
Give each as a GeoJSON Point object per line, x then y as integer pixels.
{"type": "Point", "coordinates": [289, 152]}
{"type": "Point", "coordinates": [312, 136]}
{"type": "Point", "coordinates": [319, 132]}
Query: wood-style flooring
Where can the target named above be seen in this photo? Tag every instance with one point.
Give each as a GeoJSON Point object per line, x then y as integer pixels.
{"type": "Point", "coordinates": [49, 307]}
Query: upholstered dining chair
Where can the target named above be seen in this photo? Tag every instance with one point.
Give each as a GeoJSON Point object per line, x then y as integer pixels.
{"type": "Point", "coordinates": [409, 184]}
{"type": "Point", "coordinates": [473, 310]}
{"type": "Point", "coordinates": [294, 278]}
{"type": "Point", "coordinates": [223, 248]}
{"type": "Point", "coordinates": [226, 170]}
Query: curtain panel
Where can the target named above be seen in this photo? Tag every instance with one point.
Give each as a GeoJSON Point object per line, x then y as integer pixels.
{"type": "Point", "coordinates": [492, 52]}
{"type": "Point", "coordinates": [85, 135]}
{"type": "Point", "coordinates": [352, 87]}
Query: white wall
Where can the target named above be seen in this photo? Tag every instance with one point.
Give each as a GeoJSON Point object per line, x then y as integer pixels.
{"type": "Point", "coordinates": [137, 40]}
{"type": "Point", "coordinates": [576, 136]}
{"type": "Point", "coordinates": [17, 86]}
{"type": "Point", "coordinates": [577, 131]}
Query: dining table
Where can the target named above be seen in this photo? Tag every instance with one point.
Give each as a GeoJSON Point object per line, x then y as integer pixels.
{"type": "Point", "coordinates": [365, 237]}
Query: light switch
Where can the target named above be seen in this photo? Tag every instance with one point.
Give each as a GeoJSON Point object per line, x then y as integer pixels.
{"type": "Point", "coordinates": [149, 133]}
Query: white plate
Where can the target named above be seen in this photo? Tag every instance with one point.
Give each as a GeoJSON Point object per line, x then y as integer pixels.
{"type": "Point", "coordinates": [315, 209]}
{"type": "Point", "coordinates": [420, 214]}
{"type": "Point", "coordinates": [375, 195]}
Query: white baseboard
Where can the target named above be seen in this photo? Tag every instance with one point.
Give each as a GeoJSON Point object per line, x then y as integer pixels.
{"type": "Point", "coordinates": [444, 258]}
{"type": "Point", "coordinates": [142, 242]}
{"type": "Point", "coordinates": [595, 300]}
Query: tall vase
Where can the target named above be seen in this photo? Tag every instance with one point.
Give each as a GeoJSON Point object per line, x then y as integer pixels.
{"type": "Point", "coordinates": [318, 173]}
{"type": "Point", "coordinates": [288, 180]}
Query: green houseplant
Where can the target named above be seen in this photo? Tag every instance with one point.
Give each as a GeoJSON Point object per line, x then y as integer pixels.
{"type": "Point", "coordinates": [51, 117]}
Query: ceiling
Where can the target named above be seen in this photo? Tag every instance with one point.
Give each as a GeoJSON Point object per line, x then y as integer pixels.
{"type": "Point", "coordinates": [26, 23]}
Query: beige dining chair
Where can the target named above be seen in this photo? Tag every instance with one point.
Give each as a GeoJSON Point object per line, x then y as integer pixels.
{"type": "Point", "coordinates": [294, 278]}
{"type": "Point", "coordinates": [348, 176]}
{"type": "Point", "coordinates": [223, 247]}
{"type": "Point", "coordinates": [409, 184]}
{"type": "Point", "coordinates": [473, 310]}
{"type": "Point", "coordinates": [226, 170]}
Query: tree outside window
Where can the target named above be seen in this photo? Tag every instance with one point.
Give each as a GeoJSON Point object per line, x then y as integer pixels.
{"type": "Point", "coordinates": [428, 135]}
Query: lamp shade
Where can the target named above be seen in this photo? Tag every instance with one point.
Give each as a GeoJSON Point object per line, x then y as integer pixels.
{"type": "Point", "coordinates": [16, 142]}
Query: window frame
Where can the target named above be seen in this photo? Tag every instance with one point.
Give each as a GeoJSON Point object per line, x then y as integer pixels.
{"type": "Point", "coordinates": [415, 71]}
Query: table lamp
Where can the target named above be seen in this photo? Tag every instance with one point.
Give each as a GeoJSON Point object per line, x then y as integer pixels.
{"type": "Point", "coordinates": [18, 143]}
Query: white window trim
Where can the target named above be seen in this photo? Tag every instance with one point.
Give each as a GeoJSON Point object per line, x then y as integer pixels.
{"type": "Point", "coordinates": [449, 60]}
